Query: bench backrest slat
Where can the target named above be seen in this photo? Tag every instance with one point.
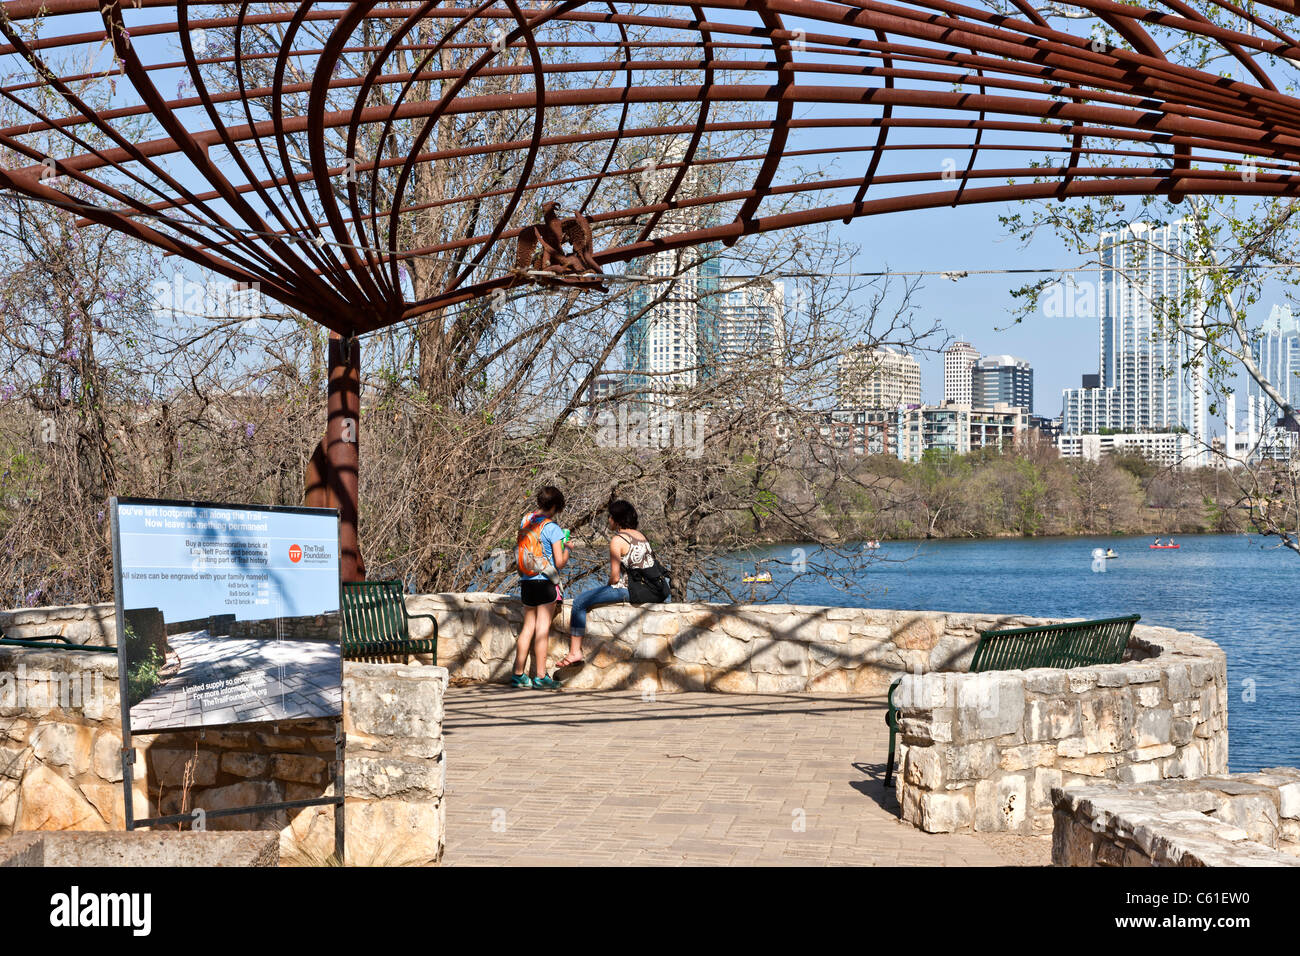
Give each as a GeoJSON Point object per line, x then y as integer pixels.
{"type": "Point", "coordinates": [1071, 644]}
{"type": "Point", "coordinates": [373, 611]}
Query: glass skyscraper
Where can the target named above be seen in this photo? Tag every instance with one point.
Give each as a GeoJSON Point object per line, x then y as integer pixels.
{"type": "Point", "coordinates": [1144, 362]}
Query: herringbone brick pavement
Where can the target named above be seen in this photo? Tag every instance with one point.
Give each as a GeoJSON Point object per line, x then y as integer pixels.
{"type": "Point", "coordinates": [604, 777]}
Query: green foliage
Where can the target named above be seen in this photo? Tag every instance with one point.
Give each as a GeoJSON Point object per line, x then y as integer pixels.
{"type": "Point", "coordinates": [143, 664]}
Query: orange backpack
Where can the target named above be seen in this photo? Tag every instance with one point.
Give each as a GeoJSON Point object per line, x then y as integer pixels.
{"type": "Point", "coordinates": [530, 555]}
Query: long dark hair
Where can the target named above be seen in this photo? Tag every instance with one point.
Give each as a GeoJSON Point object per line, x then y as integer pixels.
{"type": "Point", "coordinates": [623, 513]}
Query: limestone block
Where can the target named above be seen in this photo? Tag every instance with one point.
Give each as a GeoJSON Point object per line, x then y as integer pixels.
{"type": "Point", "coordinates": [872, 680]}
{"type": "Point", "coordinates": [1044, 780]}
{"type": "Point", "coordinates": [169, 767]}
{"type": "Point", "coordinates": [1028, 756]}
{"type": "Point", "coordinates": [1178, 682]}
{"type": "Point", "coordinates": [694, 646]}
{"type": "Point", "coordinates": [391, 833]}
{"type": "Point", "coordinates": [247, 793]}
{"type": "Point", "coordinates": [106, 756]}
{"type": "Point", "coordinates": [778, 683]}
{"type": "Point", "coordinates": [745, 628]}
{"type": "Point", "coordinates": [245, 764]}
{"type": "Point", "coordinates": [989, 705]}
{"type": "Point", "coordinates": [587, 678]}
{"type": "Point", "coordinates": [692, 677]}
{"type": "Point", "coordinates": [1182, 730]}
{"type": "Point", "coordinates": [1072, 747]}
{"type": "Point", "coordinates": [927, 691]}
{"type": "Point", "coordinates": [1107, 723]}
{"type": "Point", "coordinates": [1255, 813]}
{"type": "Point", "coordinates": [106, 798]}
{"type": "Point", "coordinates": [924, 767]}
{"type": "Point", "coordinates": [732, 682]}
{"type": "Point", "coordinates": [299, 768]}
{"type": "Point", "coordinates": [653, 649]}
{"type": "Point", "coordinates": [373, 778]}
{"type": "Point", "coordinates": [779, 657]}
{"type": "Point", "coordinates": [925, 727]}
{"type": "Point", "coordinates": [608, 653]}
{"type": "Point", "coordinates": [8, 804]}
{"type": "Point", "coordinates": [616, 676]}
{"type": "Point", "coordinates": [833, 681]}
{"type": "Point", "coordinates": [1153, 727]}
{"type": "Point", "coordinates": [390, 701]}
{"type": "Point", "coordinates": [47, 801]}
{"type": "Point", "coordinates": [1289, 801]}
{"type": "Point", "coordinates": [1001, 803]}
{"type": "Point", "coordinates": [919, 631]}
{"type": "Point", "coordinates": [1046, 681]}
{"type": "Point", "coordinates": [951, 653]}
{"type": "Point", "coordinates": [660, 623]}
{"type": "Point", "coordinates": [944, 812]}
{"type": "Point", "coordinates": [63, 745]}
{"type": "Point", "coordinates": [1081, 679]}
{"type": "Point", "coordinates": [1139, 772]}
{"type": "Point", "coordinates": [1153, 752]}
{"type": "Point", "coordinates": [1094, 765]}
{"type": "Point", "coordinates": [1053, 719]}
{"type": "Point", "coordinates": [970, 761]}
{"type": "Point", "coordinates": [1150, 696]}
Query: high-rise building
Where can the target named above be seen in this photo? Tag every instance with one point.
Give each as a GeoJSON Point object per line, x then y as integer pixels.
{"type": "Point", "coordinates": [957, 362]}
{"type": "Point", "coordinates": [746, 319]}
{"type": "Point", "coordinates": [1276, 353]}
{"type": "Point", "coordinates": [878, 378]}
{"type": "Point", "coordinates": [663, 343]}
{"type": "Point", "coordinates": [1090, 409]}
{"type": "Point", "coordinates": [1144, 361]}
{"type": "Point", "coordinates": [1002, 379]}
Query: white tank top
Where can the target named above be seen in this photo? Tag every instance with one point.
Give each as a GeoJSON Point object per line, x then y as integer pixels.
{"type": "Point", "coordinates": [639, 555]}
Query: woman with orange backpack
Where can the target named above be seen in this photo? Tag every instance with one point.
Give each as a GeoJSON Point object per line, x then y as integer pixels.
{"type": "Point", "coordinates": [541, 551]}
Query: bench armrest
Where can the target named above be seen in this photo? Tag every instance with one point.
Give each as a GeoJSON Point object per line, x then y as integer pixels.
{"type": "Point", "coordinates": [891, 712]}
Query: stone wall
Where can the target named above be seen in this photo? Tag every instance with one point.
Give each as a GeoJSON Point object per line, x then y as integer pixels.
{"type": "Point", "coordinates": [60, 765]}
{"type": "Point", "coordinates": [94, 624]}
{"type": "Point", "coordinates": [984, 751]}
{"type": "Point", "coordinates": [139, 848]}
{"type": "Point", "coordinates": [742, 648]}
{"type": "Point", "coordinates": [1243, 819]}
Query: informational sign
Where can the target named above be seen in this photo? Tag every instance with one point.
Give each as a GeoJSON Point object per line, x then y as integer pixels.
{"type": "Point", "coordinates": [229, 614]}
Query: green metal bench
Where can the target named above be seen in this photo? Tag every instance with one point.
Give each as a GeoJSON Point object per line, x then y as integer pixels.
{"type": "Point", "coordinates": [375, 622]}
{"type": "Point", "coordinates": [1074, 644]}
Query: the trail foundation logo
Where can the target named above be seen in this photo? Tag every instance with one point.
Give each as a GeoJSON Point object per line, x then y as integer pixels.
{"type": "Point", "coordinates": [295, 553]}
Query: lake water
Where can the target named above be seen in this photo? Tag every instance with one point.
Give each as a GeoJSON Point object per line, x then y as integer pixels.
{"type": "Point", "coordinates": [1238, 591]}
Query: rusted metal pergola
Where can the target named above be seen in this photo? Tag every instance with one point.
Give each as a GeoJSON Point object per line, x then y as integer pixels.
{"type": "Point", "coordinates": [259, 140]}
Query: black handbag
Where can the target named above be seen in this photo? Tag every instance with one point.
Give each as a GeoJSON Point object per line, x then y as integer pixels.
{"type": "Point", "coordinates": [652, 585]}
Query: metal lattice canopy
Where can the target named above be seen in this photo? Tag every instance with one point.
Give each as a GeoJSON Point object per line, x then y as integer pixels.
{"type": "Point", "coordinates": [294, 145]}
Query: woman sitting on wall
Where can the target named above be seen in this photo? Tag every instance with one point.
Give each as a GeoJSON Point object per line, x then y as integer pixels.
{"type": "Point", "coordinates": [628, 550]}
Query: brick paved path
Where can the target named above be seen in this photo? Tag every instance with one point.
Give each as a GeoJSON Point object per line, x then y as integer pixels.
{"type": "Point", "coordinates": [608, 778]}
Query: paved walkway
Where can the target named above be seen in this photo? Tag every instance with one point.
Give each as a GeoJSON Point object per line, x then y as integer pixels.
{"type": "Point", "coordinates": [609, 778]}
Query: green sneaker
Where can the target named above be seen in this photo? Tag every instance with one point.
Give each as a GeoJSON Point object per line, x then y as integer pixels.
{"type": "Point", "coordinates": [546, 683]}
{"type": "Point", "coordinates": [521, 681]}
